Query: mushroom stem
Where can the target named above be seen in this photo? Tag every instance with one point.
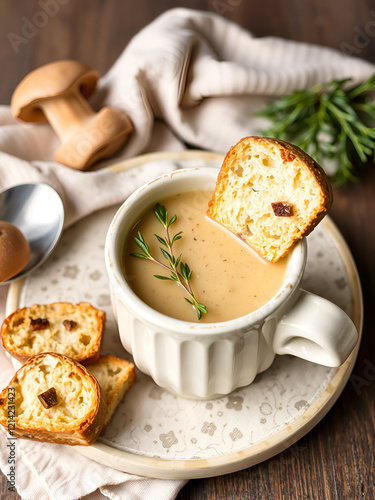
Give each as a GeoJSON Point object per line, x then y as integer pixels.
{"type": "Point", "coordinates": [67, 113]}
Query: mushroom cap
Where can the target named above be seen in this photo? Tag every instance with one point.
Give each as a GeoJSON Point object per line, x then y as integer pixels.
{"type": "Point", "coordinates": [51, 80]}
{"type": "Point", "coordinates": [14, 250]}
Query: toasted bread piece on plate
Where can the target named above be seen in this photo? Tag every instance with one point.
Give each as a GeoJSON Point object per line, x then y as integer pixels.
{"type": "Point", "coordinates": [115, 377]}
{"type": "Point", "coordinates": [53, 399]}
{"type": "Point", "coordinates": [271, 194]}
{"type": "Point", "coordinates": [61, 327]}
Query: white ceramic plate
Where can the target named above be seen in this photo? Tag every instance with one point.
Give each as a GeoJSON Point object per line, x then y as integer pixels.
{"type": "Point", "coordinates": [157, 434]}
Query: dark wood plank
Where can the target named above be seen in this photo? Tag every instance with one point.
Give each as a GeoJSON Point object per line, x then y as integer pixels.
{"type": "Point", "coordinates": [336, 459]}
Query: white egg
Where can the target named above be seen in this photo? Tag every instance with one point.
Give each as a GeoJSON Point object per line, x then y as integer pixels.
{"type": "Point", "coordinates": [14, 251]}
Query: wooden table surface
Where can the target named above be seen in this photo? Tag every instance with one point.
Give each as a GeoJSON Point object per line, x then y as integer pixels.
{"type": "Point", "coordinates": [336, 459]}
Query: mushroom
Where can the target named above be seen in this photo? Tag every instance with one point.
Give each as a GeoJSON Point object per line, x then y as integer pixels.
{"type": "Point", "coordinates": [58, 93]}
{"type": "Point", "coordinates": [14, 250]}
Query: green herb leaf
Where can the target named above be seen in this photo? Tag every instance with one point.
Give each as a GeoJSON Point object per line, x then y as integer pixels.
{"type": "Point", "coordinates": [202, 308]}
{"type": "Point", "coordinates": [173, 220]}
{"type": "Point", "coordinates": [142, 244]}
{"type": "Point", "coordinates": [166, 255]}
{"type": "Point", "coordinates": [176, 237]}
{"type": "Point", "coordinates": [161, 214]}
{"type": "Point", "coordinates": [161, 240]}
{"type": "Point", "coordinates": [185, 271]}
{"type": "Point", "coordinates": [140, 255]}
{"type": "Point", "coordinates": [178, 260]}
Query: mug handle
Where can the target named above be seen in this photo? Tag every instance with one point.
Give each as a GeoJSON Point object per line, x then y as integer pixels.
{"type": "Point", "coordinates": [317, 330]}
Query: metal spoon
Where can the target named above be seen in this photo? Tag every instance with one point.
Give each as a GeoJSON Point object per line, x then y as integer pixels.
{"type": "Point", "coordinates": [38, 211]}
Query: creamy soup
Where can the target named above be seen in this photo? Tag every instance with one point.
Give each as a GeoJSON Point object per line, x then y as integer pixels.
{"type": "Point", "coordinates": [229, 278]}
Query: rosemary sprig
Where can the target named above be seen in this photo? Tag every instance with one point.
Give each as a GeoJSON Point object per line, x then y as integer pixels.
{"type": "Point", "coordinates": [180, 272]}
{"type": "Point", "coordinates": [330, 122]}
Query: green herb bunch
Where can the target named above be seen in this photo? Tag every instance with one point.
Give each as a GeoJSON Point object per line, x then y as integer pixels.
{"type": "Point", "coordinates": [330, 122]}
{"type": "Point", "coordinates": [180, 273]}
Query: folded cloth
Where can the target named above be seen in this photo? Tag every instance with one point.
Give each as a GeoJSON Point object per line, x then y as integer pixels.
{"type": "Point", "coordinates": [191, 78]}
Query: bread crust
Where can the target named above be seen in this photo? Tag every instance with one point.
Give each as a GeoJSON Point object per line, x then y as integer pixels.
{"type": "Point", "coordinates": [85, 357]}
{"type": "Point", "coordinates": [288, 153]}
{"type": "Point", "coordinates": [85, 430]}
{"type": "Point", "coordinates": [291, 151]}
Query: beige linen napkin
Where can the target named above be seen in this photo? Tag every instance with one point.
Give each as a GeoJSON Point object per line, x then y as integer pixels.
{"type": "Point", "coordinates": [191, 78]}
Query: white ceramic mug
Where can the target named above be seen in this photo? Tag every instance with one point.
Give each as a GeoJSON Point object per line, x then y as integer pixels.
{"type": "Point", "coordinates": [212, 359]}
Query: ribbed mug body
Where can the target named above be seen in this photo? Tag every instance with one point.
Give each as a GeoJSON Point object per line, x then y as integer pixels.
{"type": "Point", "coordinates": [191, 364]}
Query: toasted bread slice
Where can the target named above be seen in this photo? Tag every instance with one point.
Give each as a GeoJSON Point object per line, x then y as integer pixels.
{"type": "Point", "coordinates": [270, 193]}
{"type": "Point", "coordinates": [115, 377]}
{"type": "Point", "coordinates": [61, 327]}
{"type": "Point", "coordinates": [53, 399]}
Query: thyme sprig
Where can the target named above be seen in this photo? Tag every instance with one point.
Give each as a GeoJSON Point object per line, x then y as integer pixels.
{"type": "Point", "coordinates": [330, 122]}
{"type": "Point", "coordinates": [180, 272]}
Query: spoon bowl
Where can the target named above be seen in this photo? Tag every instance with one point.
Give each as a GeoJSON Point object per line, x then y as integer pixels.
{"type": "Point", "coordinates": [38, 211]}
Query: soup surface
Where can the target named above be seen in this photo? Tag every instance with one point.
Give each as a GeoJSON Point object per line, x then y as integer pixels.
{"type": "Point", "coordinates": [229, 278]}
